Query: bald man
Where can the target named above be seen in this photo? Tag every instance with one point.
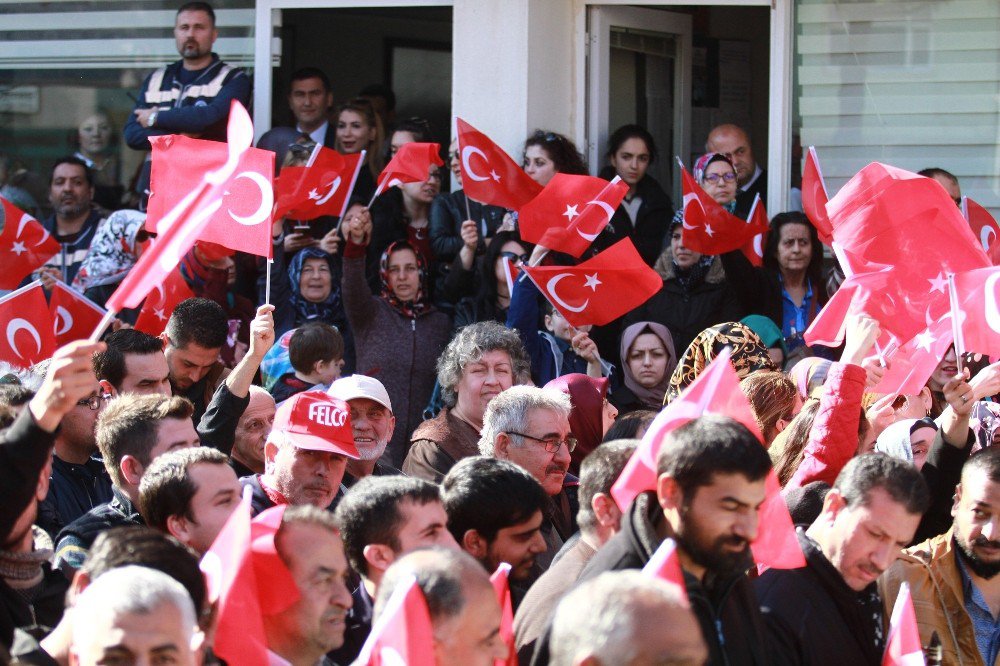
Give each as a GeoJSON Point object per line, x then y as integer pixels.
{"type": "Point", "coordinates": [733, 142]}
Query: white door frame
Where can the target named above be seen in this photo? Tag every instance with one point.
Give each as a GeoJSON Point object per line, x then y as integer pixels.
{"type": "Point", "coordinates": [779, 126]}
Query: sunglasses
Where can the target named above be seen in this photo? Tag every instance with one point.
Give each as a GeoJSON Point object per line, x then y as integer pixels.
{"type": "Point", "coordinates": [516, 258]}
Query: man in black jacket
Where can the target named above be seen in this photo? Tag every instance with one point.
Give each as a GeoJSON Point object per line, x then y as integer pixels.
{"type": "Point", "coordinates": [829, 612]}
{"type": "Point", "coordinates": [711, 478]}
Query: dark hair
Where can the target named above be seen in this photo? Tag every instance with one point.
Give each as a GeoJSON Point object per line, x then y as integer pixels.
{"type": "Point", "coordinates": [110, 363]}
{"type": "Point", "coordinates": [986, 460]}
{"type": "Point", "coordinates": [369, 513]}
{"type": "Point", "coordinates": [129, 426]}
{"type": "Point", "coordinates": [900, 479]}
{"type": "Point", "coordinates": [626, 132]}
{"type": "Point", "coordinates": [560, 149]}
{"type": "Point", "coordinates": [7, 416]}
{"type": "Point", "coordinates": [815, 269]}
{"type": "Point", "coordinates": [772, 397]}
{"type": "Point", "coordinates": [627, 426]}
{"type": "Point", "coordinates": [197, 6]}
{"type": "Point", "coordinates": [419, 127]}
{"type": "Point", "coordinates": [380, 90]}
{"type": "Point", "coordinates": [313, 342]}
{"type": "Point", "coordinates": [698, 450]}
{"type": "Point", "coordinates": [598, 472]}
{"type": "Point", "coordinates": [930, 172]}
{"type": "Point", "coordinates": [72, 159]}
{"type": "Point", "coordinates": [200, 321]}
{"type": "Point", "coordinates": [15, 395]}
{"type": "Point", "coordinates": [487, 277]}
{"type": "Point", "coordinates": [487, 495]}
{"type": "Point", "coordinates": [143, 546]}
{"type": "Point", "coordinates": [304, 73]}
{"type": "Point", "coordinates": [166, 488]}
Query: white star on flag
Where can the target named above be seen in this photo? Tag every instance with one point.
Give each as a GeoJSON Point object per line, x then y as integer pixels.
{"type": "Point", "coordinates": [570, 212]}
{"type": "Point", "coordinates": [18, 248]}
{"type": "Point", "coordinates": [313, 194]}
{"type": "Point", "coordinates": [708, 230]}
{"type": "Point", "coordinates": [925, 340]}
{"type": "Point", "coordinates": [940, 283]}
{"type": "Point", "coordinates": [495, 175]}
{"type": "Point", "coordinates": [159, 314]}
{"type": "Point", "coordinates": [592, 282]}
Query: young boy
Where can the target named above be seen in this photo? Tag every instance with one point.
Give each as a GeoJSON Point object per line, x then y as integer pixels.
{"type": "Point", "coordinates": [316, 352]}
{"type": "Point", "coordinates": [561, 348]}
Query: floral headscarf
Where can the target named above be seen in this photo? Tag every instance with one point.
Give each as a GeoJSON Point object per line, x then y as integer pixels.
{"type": "Point", "coordinates": [329, 310]}
{"type": "Point", "coordinates": [419, 305]}
{"type": "Point", "coordinates": [113, 251]}
{"type": "Point", "coordinates": [748, 354]}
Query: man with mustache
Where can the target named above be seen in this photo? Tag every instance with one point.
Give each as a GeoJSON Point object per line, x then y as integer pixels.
{"type": "Point", "coordinates": [529, 426]}
{"type": "Point", "coordinates": [305, 454]}
{"type": "Point", "coordinates": [830, 612]}
{"type": "Point", "coordinates": [372, 422]}
{"type": "Point", "coordinates": [73, 222]}
{"type": "Point", "coordinates": [953, 577]}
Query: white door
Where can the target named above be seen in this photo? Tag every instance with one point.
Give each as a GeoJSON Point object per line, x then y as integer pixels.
{"type": "Point", "coordinates": [639, 71]}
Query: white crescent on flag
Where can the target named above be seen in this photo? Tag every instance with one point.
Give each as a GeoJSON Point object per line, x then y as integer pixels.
{"type": "Point", "coordinates": [64, 320]}
{"type": "Point", "coordinates": [551, 288]}
{"type": "Point", "coordinates": [466, 152]}
{"type": "Point", "coordinates": [266, 200]}
{"type": "Point", "coordinates": [992, 312]}
{"type": "Point", "coordinates": [20, 227]}
{"type": "Point", "coordinates": [334, 186]}
{"type": "Point", "coordinates": [18, 324]}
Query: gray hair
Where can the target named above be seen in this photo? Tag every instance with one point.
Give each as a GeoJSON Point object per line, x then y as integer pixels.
{"type": "Point", "coordinates": [469, 345]}
{"type": "Point", "coordinates": [131, 589]}
{"type": "Point", "coordinates": [598, 619]}
{"type": "Point", "coordinates": [442, 575]}
{"type": "Point", "coordinates": [510, 411]}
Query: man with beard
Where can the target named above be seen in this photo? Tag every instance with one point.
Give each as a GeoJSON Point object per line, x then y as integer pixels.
{"type": "Point", "coordinates": [829, 612]}
{"type": "Point", "coordinates": [953, 577]}
{"type": "Point", "coordinates": [73, 222]}
{"type": "Point", "coordinates": [305, 454]}
{"type": "Point", "coordinates": [373, 423]}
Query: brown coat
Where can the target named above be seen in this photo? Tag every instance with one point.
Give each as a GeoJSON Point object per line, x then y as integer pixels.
{"type": "Point", "coordinates": [936, 587]}
{"type": "Point", "coordinates": [438, 444]}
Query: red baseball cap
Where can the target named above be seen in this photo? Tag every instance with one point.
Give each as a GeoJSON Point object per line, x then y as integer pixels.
{"type": "Point", "coordinates": [315, 421]}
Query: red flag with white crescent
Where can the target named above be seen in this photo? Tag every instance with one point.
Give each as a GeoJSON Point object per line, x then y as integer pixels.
{"type": "Point", "coordinates": [979, 310]}
{"type": "Point", "coordinates": [708, 227]}
{"type": "Point", "coordinates": [25, 245]}
{"type": "Point", "coordinates": [570, 212]}
{"type": "Point", "coordinates": [411, 164]}
{"type": "Point", "coordinates": [184, 223]}
{"type": "Point", "coordinates": [814, 197]}
{"type": "Point", "coordinates": [321, 188]}
{"type": "Point", "coordinates": [910, 365]}
{"type": "Point", "coordinates": [160, 303]}
{"type": "Point", "coordinates": [984, 226]}
{"type": "Point", "coordinates": [510, 273]}
{"type": "Point", "coordinates": [26, 326]}
{"type": "Point", "coordinates": [489, 175]}
{"type": "Point", "coordinates": [902, 646]}
{"type": "Point", "coordinates": [754, 248]}
{"type": "Point", "coordinates": [501, 586]}
{"type": "Point", "coordinates": [715, 391]}
{"type": "Point", "coordinates": [403, 633]}
{"type": "Point", "coordinates": [665, 565]}
{"type": "Point", "coordinates": [74, 316]}
{"type": "Point", "coordinates": [601, 289]}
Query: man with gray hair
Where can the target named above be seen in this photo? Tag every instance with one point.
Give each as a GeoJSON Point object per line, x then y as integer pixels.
{"type": "Point", "coordinates": [481, 361]}
{"type": "Point", "coordinates": [463, 607]}
{"type": "Point", "coordinates": [135, 614]}
{"type": "Point", "coordinates": [529, 426]}
{"type": "Point", "coordinates": [625, 617]}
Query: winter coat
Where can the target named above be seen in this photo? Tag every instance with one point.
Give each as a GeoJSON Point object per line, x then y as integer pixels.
{"type": "Point", "coordinates": [438, 444]}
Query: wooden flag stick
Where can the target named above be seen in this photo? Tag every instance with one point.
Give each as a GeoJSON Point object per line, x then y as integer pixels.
{"type": "Point", "coordinates": [956, 322]}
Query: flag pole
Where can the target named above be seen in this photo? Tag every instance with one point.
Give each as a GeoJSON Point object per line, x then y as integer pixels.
{"type": "Point", "coordinates": [267, 280]}
{"type": "Point", "coordinates": [102, 325]}
{"type": "Point", "coordinates": [956, 322]}
{"type": "Point", "coordinates": [347, 198]}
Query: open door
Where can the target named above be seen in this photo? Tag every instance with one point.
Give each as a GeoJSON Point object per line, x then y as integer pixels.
{"type": "Point", "coordinates": [639, 71]}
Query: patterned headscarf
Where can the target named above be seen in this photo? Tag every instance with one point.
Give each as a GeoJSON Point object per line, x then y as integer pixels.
{"type": "Point", "coordinates": [113, 251]}
{"type": "Point", "coordinates": [748, 355]}
{"type": "Point", "coordinates": [329, 310]}
{"type": "Point", "coordinates": [705, 160]}
{"type": "Point", "coordinates": [419, 305]}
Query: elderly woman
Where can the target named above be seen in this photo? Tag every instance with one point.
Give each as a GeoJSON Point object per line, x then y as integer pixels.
{"type": "Point", "coordinates": [482, 360]}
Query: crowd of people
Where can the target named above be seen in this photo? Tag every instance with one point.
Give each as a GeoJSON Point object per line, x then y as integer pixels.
{"type": "Point", "coordinates": [408, 408]}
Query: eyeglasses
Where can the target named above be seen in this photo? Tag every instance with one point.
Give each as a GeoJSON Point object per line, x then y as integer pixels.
{"type": "Point", "coordinates": [94, 401]}
{"type": "Point", "coordinates": [715, 177]}
{"type": "Point", "coordinates": [513, 256]}
{"type": "Point", "coordinates": [552, 444]}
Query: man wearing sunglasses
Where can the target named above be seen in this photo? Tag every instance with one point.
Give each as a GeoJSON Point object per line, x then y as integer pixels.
{"type": "Point", "coordinates": [529, 426]}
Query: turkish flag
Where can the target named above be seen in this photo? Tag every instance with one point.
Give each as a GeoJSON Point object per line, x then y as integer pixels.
{"type": "Point", "coordinates": [25, 245]}
{"type": "Point", "coordinates": [489, 175]}
{"type": "Point", "coordinates": [74, 316]}
{"type": "Point", "coordinates": [708, 227]}
{"type": "Point", "coordinates": [753, 250]}
{"type": "Point", "coordinates": [243, 221]}
{"type": "Point", "coordinates": [570, 212]}
{"type": "Point", "coordinates": [903, 646]}
{"type": "Point", "coordinates": [601, 289]}
{"type": "Point", "coordinates": [984, 227]}
{"type": "Point", "coordinates": [510, 273]}
{"type": "Point", "coordinates": [411, 164]}
{"type": "Point", "coordinates": [715, 391]}
{"type": "Point", "coordinates": [320, 188]}
{"type": "Point", "coordinates": [403, 633]}
{"type": "Point", "coordinates": [27, 327]}
{"type": "Point", "coordinates": [160, 303]}
{"type": "Point", "coordinates": [910, 365]}
{"type": "Point", "coordinates": [979, 311]}
{"type": "Point", "coordinates": [814, 197]}
{"type": "Point", "coordinates": [183, 225]}
{"type": "Point", "coordinates": [665, 565]}
{"type": "Point", "coordinates": [501, 586]}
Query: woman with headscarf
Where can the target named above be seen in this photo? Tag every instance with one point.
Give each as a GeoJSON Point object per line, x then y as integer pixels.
{"type": "Point", "coordinates": [116, 247]}
{"type": "Point", "coordinates": [398, 334]}
{"type": "Point", "coordinates": [770, 335]}
{"type": "Point", "coordinates": [747, 354]}
{"type": "Point", "coordinates": [648, 359]}
{"type": "Point", "coordinates": [909, 440]}
{"type": "Point", "coordinates": [591, 415]}
{"type": "Point", "coordinates": [809, 374]}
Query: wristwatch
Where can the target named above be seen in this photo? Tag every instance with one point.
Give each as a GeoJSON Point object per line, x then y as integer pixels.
{"type": "Point", "coordinates": [152, 118]}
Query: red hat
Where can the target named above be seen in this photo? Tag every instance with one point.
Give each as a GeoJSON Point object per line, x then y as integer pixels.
{"type": "Point", "coordinates": [316, 421]}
